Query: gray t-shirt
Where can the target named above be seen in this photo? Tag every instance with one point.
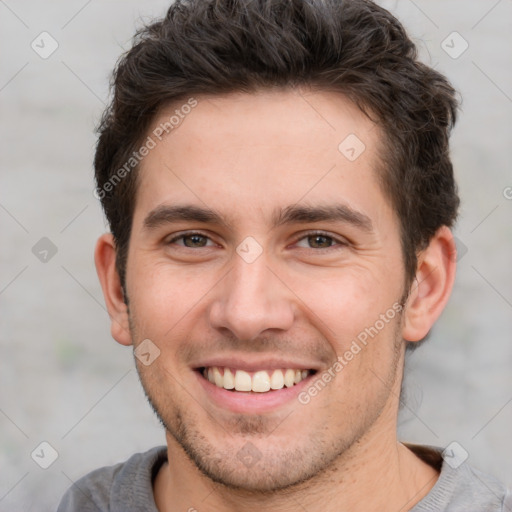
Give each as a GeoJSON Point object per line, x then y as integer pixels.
{"type": "Point", "coordinates": [128, 487]}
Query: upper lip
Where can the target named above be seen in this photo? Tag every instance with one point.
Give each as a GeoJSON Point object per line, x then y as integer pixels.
{"type": "Point", "coordinates": [252, 365]}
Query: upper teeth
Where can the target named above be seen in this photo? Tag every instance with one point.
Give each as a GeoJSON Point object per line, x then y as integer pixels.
{"type": "Point", "coordinates": [259, 381]}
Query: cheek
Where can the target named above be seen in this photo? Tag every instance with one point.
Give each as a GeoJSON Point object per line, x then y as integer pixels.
{"type": "Point", "coordinates": [345, 301]}
{"type": "Point", "coordinates": [163, 297]}
{"type": "Point", "coordinates": [358, 316]}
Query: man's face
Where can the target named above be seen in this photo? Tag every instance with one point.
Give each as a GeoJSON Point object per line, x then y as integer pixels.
{"type": "Point", "coordinates": [267, 287]}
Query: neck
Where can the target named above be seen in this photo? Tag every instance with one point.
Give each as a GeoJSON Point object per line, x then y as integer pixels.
{"type": "Point", "coordinates": [377, 473]}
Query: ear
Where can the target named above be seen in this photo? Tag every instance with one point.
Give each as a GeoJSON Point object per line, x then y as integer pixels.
{"type": "Point", "coordinates": [105, 260]}
{"type": "Point", "coordinates": [432, 286]}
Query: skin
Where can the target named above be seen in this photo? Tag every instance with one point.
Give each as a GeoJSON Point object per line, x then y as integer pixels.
{"type": "Point", "coordinates": [244, 156]}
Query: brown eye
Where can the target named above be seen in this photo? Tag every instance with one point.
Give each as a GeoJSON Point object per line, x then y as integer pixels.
{"type": "Point", "coordinates": [191, 240]}
{"type": "Point", "coordinates": [194, 240]}
{"type": "Point", "coordinates": [319, 241]}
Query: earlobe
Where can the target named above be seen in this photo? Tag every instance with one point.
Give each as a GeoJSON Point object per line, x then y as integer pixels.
{"type": "Point", "coordinates": [432, 286]}
{"type": "Point", "coordinates": [105, 260]}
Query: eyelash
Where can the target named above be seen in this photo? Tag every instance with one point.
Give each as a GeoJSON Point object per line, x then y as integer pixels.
{"type": "Point", "coordinates": [339, 243]}
{"type": "Point", "coordinates": [185, 235]}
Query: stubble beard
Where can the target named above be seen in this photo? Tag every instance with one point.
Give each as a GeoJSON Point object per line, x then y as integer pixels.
{"type": "Point", "coordinates": [277, 469]}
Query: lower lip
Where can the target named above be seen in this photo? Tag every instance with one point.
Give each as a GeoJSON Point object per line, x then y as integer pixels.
{"type": "Point", "coordinates": [251, 402]}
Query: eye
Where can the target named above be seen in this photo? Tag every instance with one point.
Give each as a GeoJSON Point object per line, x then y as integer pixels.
{"type": "Point", "coordinates": [191, 240]}
{"type": "Point", "coordinates": [319, 240]}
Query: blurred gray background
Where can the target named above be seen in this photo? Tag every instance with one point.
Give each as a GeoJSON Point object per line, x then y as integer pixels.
{"type": "Point", "coordinates": [64, 381]}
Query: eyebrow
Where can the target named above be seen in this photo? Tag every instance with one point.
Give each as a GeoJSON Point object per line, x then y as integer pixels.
{"type": "Point", "coordinates": [168, 214]}
{"type": "Point", "coordinates": [329, 213]}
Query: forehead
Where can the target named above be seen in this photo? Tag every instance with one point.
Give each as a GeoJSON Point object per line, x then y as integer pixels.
{"type": "Point", "coordinates": [248, 153]}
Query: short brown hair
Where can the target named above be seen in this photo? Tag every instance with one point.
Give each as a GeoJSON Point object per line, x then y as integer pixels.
{"type": "Point", "coordinates": [354, 47]}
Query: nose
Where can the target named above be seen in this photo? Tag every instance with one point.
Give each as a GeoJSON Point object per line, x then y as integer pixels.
{"type": "Point", "coordinates": [251, 299]}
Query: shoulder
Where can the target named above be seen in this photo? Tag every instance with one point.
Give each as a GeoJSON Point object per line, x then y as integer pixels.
{"type": "Point", "coordinates": [124, 486]}
{"type": "Point", "coordinates": [460, 487]}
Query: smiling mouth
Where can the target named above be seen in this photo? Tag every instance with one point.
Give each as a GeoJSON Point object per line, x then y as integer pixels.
{"type": "Point", "coordinates": [261, 381]}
